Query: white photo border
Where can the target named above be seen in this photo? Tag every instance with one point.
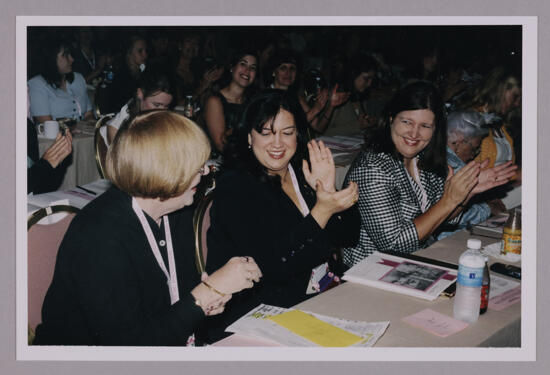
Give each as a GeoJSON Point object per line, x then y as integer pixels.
{"type": "Point", "coordinates": [527, 351]}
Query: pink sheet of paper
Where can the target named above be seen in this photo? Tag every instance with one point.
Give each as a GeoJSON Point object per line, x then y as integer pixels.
{"type": "Point", "coordinates": [436, 323]}
{"type": "Point", "coordinates": [505, 299]}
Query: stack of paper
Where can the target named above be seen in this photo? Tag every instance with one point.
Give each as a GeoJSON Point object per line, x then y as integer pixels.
{"type": "Point", "coordinates": [292, 327]}
{"type": "Point", "coordinates": [342, 143]}
{"type": "Point", "coordinates": [401, 275]}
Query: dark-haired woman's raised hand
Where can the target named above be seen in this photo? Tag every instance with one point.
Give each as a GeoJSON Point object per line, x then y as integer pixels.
{"type": "Point", "coordinates": [338, 98]}
{"type": "Point", "coordinates": [458, 186]}
{"type": "Point", "coordinates": [493, 177]}
{"type": "Point", "coordinates": [330, 203]}
{"type": "Point", "coordinates": [322, 166]}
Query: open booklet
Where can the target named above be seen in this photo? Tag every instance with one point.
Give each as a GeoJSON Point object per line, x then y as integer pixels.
{"type": "Point", "coordinates": [291, 327]}
{"type": "Point", "coordinates": [406, 275]}
{"type": "Point", "coordinates": [492, 227]}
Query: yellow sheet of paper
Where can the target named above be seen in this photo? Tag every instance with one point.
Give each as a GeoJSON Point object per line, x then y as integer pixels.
{"type": "Point", "coordinates": [315, 330]}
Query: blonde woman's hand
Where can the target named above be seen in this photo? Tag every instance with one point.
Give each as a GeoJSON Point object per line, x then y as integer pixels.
{"type": "Point", "coordinates": [322, 166]}
{"type": "Point", "coordinates": [459, 185]}
{"type": "Point", "coordinates": [237, 274]}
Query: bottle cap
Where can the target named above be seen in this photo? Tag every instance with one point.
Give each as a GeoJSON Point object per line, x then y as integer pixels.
{"type": "Point", "coordinates": [474, 243]}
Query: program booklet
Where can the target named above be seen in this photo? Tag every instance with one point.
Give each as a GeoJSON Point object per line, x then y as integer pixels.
{"type": "Point", "coordinates": [491, 227]}
{"type": "Point", "coordinates": [402, 275]}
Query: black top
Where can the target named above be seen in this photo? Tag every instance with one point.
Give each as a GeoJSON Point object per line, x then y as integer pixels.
{"type": "Point", "coordinates": [122, 89]}
{"type": "Point", "coordinates": [107, 287]}
{"type": "Point", "coordinates": [231, 111]}
{"type": "Point", "coordinates": [251, 218]}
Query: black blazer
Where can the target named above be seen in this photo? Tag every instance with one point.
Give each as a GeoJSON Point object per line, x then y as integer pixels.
{"type": "Point", "coordinates": [107, 287]}
{"type": "Point", "coordinates": [249, 217]}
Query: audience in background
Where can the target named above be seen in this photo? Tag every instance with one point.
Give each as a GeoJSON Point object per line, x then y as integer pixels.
{"type": "Point", "coordinates": [87, 61]}
{"type": "Point", "coordinates": [130, 67]}
{"type": "Point", "coordinates": [155, 90]}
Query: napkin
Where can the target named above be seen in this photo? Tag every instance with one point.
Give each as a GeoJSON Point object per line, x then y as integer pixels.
{"type": "Point", "coordinates": [494, 251]}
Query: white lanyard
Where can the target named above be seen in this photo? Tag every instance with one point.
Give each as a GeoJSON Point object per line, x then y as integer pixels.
{"type": "Point", "coordinates": [304, 209]}
{"type": "Point", "coordinates": [91, 61]}
{"type": "Point", "coordinates": [423, 196]}
{"type": "Point", "coordinates": [171, 277]}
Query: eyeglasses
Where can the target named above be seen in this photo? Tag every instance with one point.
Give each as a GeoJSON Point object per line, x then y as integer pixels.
{"type": "Point", "coordinates": [204, 170]}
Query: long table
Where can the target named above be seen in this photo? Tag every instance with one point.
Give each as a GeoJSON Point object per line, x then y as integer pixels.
{"type": "Point", "coordinates": [358, 302]}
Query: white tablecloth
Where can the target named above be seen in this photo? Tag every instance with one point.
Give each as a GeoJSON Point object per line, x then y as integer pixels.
{"type": "Point", "coordinates": [82, 169]}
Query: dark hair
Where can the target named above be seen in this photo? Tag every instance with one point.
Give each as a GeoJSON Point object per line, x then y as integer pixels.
{"type": "Point", "coordinates": [153, 81]}
{"type": "Point", "coordinates": [234, 59]}
{"type": "Point", "coordinates": [48, 68]}
{"type": "Point", "coordinates": [414, 96]}
{"type": "Point", "coordinates": [361, 64]}
{"type": "Point", "coordinates": [283, 56]}
{"type": "Point", "coordinates": [263, 108]}
{"type": "Point", "coordinates": [128, 43]}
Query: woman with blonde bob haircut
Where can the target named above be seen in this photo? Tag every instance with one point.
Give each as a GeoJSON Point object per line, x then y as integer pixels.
{"type": "Point", "coordinates": [125, 272]}
{"type": "Point", "coordinates": [149, 160]}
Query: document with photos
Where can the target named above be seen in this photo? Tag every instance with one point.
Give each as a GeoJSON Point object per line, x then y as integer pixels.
{"type": "Point", "coordinates": [256, 324]}
{"type": "Point", "coordinates": [401, 275]}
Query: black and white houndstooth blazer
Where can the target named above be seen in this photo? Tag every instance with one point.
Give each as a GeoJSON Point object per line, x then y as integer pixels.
{"type": "Point", "coordinates": [388, 204]}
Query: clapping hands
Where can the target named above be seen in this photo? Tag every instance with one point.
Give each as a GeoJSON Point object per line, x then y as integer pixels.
{"type": "Point", "coordinates": [493, 177]}
{"type": "Point", "coordinates": [59, 150]}
{"type": "Point", "coordinates": [322, 166]}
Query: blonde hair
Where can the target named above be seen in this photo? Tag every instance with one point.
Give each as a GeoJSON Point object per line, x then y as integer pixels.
{"type": "Point", "coordinates": [157, 155]}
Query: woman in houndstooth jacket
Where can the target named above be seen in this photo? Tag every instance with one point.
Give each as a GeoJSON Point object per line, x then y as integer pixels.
{"type": "Point", "coordinates": [406, 190]}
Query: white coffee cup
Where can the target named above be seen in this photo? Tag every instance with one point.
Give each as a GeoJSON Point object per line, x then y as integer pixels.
{"type": "Point", "coordinates": [48, 129]}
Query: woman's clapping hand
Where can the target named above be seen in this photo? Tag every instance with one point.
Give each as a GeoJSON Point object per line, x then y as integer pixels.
{"type": "Point", "coordinates": [493, 177]}
{"type": "Point", "coordinates": [322, 166]}
{"type": "Point", "coordinates": [459, 185]}
{"type": "Point", "coordinates": [59, 150]}
{"type": "Point", "coordinates": [329, 203]}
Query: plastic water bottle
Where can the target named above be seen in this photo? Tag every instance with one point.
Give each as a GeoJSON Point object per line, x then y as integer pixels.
{"type": "Point", "coordinates": [468, 288]}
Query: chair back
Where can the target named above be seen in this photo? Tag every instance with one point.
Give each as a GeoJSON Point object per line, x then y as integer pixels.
{"type": "Point", "coordinates": [43, 243]}
{"type": "Point", "coordinates": [100, 146]}
{"type": "Point", "coordinates": [201, 223]}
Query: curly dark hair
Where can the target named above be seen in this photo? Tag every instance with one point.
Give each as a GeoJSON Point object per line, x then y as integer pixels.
{"type": "Point", "coordinates": [414, 96]}
{"type": "Point", "coordinates": [262, 109]}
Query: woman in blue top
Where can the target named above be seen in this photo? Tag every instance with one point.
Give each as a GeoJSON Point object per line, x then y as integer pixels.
{"type": "Point", "coordinates": [58, 92]}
